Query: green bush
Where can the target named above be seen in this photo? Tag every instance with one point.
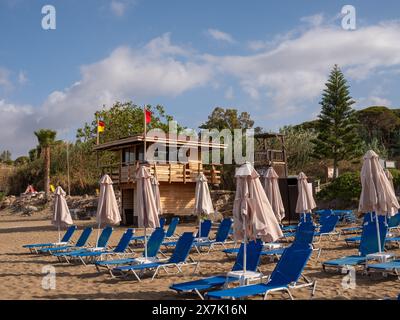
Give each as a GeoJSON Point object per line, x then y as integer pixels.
{"type": "Point", "coordinates": [2, 196]}
{"type": "Point", "coordinates": [396, 178]}
{"type": "Point", "coordinates": [346, 187]}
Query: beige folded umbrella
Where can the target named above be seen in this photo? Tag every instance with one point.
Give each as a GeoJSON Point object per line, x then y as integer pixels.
{"type": "Point", "coordinates": [273, 193]}
{"type": "Point", "coordinates": [146, 206]}
{"type": "Point", "coordinates": [107, 208]}
{"type": "Point", "coordinates": [305, 200]}
{"type": "Point", "coordinates": [61, 215]}
{"type": "Point", "coordinates": [203, 204]}
{"type": "Point", "coordinates": [252, 212]}
{"type": "Point", "coordinates": [377, 194]}
{"type": "Point", "coordinates": [156, 192]}
{"type": "Point", "coordinates": [390, 178]}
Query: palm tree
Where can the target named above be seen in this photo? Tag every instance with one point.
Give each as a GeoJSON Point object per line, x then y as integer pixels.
{"type": "Point", "coordinates": [46, 138]}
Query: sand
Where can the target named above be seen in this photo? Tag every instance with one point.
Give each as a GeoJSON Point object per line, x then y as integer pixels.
{"type": "Point", "coordinates": [21, 273]}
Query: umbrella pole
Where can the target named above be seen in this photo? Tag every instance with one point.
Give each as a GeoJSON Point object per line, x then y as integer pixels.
{"type": "Point", "coordinates": [199, 228]}
{"type": "Point", "coordinates": [245, 248]}
{"type": "Point", "coordinates": [59, 234]}
{"type": "Point", "coordinates": [145, 243]}
{"type": "Point", "coordinates": [378, 233]}
{"type": "Point", "coordinates": [98, 234]}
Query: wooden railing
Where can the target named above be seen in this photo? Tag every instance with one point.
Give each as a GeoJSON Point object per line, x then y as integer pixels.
{"type": "Point", "coordinates": [267, 156]}
{"type": "Point", "coordinates": [165, 172]}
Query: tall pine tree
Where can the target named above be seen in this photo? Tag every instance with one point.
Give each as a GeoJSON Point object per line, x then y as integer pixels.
{"type": "Point", "coordinates": [337, 137]}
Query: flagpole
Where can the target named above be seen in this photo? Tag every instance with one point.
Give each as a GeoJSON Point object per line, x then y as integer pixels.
{"type": "Point", "coordinates": [68, 180]}
{"type": "Point", "coordinates": [145, 133]}
{"type": "Point", "coordinates": [97, 130]}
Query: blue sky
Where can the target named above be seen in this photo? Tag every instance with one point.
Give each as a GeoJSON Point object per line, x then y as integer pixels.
{"type": "Point", "coordinates": [270, 58]}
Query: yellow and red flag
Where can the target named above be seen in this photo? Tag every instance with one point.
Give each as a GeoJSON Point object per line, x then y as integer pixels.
{"type": "Point", "coordinates": [100, 126]}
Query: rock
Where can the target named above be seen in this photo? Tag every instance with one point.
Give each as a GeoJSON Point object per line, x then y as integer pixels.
{"type": "Point", "coordinates": [30, 209]}
{"type": "Point", "coordinates": [6, 203]}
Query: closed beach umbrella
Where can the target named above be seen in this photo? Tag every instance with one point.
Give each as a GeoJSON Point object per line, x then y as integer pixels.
{"type": "Point", "coordinates": [61, 215]}
{"type": "Point", "coordinates": [203, 204]}
{"type": "Point", "coordinates": [273, 194]}
{"type": "Point", "coordinates": [146, 206]}
{"type": "Point", "coordinates": [107, 208]}
{"type": "Point", "coordinates": [377, 194]}
{"type": "Point", "coordinates": [156, 191]}
{"type": "Point", "coordinates": [390, 178]}
{"type": "Point", "coordinates": [305, 200]}
{"type": "Point", "coordinates": [252, 212]}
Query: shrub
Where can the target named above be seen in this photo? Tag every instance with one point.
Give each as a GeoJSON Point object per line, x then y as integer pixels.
{"type": "Point", "coordinates": [346, 188]}
{"type": "Point", "coordinates": [396, 178]}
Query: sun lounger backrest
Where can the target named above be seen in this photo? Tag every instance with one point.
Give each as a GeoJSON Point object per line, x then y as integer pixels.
{"type": "Point", "coordinates": [223, 230]}
{"type": "Point", "coordinates": [305, 217]}
{"type": "Point", "coordinates": [104, 237]}
{"type": "Point", "coordinates": [394, 221]}
{"type": "Point", "coordinates": [205, 229]}
{"type": "Point", "coordinates": [124, 241]}
{"type": "Point", "coordinates": [84, 237]}
{"type": "Point", "coordinates": [305, 233]}
{"type": "Point", "coordinates": [253, 253]}
{"type": "Point", "coordinates": [172, 227]}
{"type": "Point", "coordinates": [329, 224]}
{"type": "Point", "coordinates": [155, 241]}
{"type": "Point", "coordinates": [182, 248]}
{"type": "Point", "coordinates": [68, 234]}
{"type": "Point", "coordinates": [369, 236]}
{"type": "Point", "coordinates": [291, 265]}
{"type": "Point", "coordinates": [162, 222]}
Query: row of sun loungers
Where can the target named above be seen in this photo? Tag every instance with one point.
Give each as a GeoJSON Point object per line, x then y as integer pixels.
{"type": "Point", "coordinates": [122, 262]}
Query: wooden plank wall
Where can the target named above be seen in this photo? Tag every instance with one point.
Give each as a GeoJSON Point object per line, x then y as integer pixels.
{"type": "Point", "coordinates": [177, 198]}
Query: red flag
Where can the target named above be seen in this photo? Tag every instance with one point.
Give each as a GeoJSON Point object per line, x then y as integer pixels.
{"type": "Point", "coordinates": [148, 116]}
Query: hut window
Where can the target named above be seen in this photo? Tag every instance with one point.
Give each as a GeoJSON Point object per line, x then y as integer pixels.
{"type": "Point", "coordinates": [128, 156]}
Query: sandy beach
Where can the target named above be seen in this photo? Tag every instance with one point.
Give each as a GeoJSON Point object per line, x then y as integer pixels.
{"type": "Point", "coordinates": [21, 272]}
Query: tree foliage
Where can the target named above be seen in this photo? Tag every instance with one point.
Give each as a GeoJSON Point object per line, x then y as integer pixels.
{"type": "Point", "coordinates": [336, 127]}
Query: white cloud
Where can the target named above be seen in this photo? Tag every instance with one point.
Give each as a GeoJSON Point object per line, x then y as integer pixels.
{"type": "Point", "coordinates": [22, 78]}
{"type": "Point", "coordinates": [314, 20]}
{"type": "Point", "coordinates": [229, 94]}
{"type": "Point", "coordinates": [220, 35]}
{"type": "Point", "coordinates": [294, 71]}
{"type": "Point", "coordinates": [5, 81]}
{"type": "Point", "coordinates": [119, 7]}
{"type": "Point", "coordinates": [17, 123]}
{"type": "Point", "coordinates": [372, 100]}
{"type": "Point", "coordinates": [126, 74]}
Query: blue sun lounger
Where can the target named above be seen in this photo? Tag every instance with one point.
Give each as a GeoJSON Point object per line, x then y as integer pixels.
{"type": "Point", "coordinates": [170, 234]}
{"type": "Point", "coordinates": [33, 248]}
{"type": "Point", "coordinates": [285, 276]}
{"type": "Point", "coordinates": [220, 238]}
{"type": "Point", "coordinates": [304, 234]}
{"type": "Point", "coordinates": [101, 245]}
{"type": "Point", "coordinates": [80, 243]}
{"type": "Point", "coordinates": [90, 256]}
{"type": "Point", "coordinates": [392, 267]}
{"type": "Point", "coordinates": [205, 284]}
{"type": "Point", "coordinates": [328, 228]}
{"type": "Point", "coordinates": [153, 247]}
{"type": "Point", "coordinates": [204, 234]}
{"type": "Point", "coordinates": [368, 245]}
{"type": "Point", "coordinates": [177, 260]}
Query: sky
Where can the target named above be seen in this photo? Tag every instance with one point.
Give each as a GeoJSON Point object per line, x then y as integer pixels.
{"type": "Point", "coordinates": [269, 58]}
